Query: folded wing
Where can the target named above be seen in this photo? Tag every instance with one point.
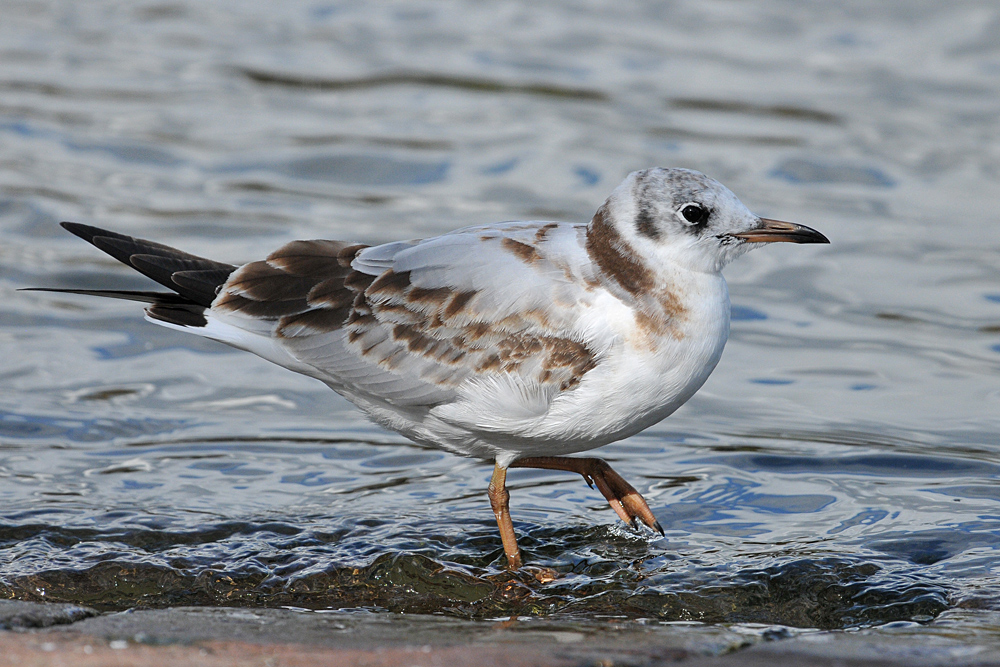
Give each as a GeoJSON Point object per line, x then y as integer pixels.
{"type": "Point", "coordinates": [414, 325]}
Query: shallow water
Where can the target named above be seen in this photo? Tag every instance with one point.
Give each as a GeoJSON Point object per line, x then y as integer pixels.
{"type": "Point", "coordinates": [840, 468]}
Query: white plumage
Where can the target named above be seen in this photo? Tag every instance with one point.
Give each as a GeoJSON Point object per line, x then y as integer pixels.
{"type": "Point", "coordinates": [516, 341]}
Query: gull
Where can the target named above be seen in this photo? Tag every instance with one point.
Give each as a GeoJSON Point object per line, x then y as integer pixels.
{"type": "Point", "coordinates": [516, 342]}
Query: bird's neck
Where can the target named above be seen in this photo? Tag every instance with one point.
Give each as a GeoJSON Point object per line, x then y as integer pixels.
{"type": "Point", "coordinates": [664, 294]}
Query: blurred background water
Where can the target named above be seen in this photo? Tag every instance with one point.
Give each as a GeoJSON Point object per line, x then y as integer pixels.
{"type": "Point", "coordinates": [840, 468]}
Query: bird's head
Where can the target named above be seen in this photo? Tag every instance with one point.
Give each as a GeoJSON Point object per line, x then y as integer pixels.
{"type": "Point", "coordinates": [688, 219]}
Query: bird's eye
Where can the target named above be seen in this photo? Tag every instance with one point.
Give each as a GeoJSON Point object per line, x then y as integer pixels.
{"type": "Point", "coordinates": [695, 214]}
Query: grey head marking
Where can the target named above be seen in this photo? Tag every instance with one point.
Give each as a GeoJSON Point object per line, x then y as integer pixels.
{"type": "Point", "coordinates": [678, 196]}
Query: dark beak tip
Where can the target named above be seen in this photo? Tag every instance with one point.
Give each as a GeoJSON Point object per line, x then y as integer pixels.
{"type": "Point", "coordinates": [771, 231]}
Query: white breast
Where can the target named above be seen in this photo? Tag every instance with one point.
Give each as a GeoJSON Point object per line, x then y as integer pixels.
{"type": "Point", "coordinates": [639, 381]}
{"type": "Point", "coordinates": [642, 380]}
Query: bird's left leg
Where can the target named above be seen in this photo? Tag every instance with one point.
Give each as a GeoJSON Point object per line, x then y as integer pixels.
{"type": "Point", "coordinates": [500, 501]}
{"type": "Point", "coordinates": [627, 503]}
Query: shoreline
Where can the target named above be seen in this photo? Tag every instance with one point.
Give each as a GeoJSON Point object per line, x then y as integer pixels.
{"type": "Point", "coordinates": [62, 634]}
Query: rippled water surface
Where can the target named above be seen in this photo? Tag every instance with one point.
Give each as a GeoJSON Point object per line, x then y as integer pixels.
{"type": "Point", "coordinates": [839, 469]}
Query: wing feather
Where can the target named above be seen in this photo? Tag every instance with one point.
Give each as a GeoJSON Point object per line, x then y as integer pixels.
{"type": "Point", "coordinates": [421, 324]}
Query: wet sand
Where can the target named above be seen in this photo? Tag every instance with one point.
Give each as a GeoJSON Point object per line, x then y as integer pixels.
{"type": "Point", "coordinates": [51, 634]}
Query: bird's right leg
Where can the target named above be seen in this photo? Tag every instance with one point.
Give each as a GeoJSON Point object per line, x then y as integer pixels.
{"type": "Point", "coordinates": [500, 501]}
{"type": "Point", "coordinates": [622, 496]}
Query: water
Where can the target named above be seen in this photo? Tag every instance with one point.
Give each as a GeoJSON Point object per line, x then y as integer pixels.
{"type": "Point", "coordinates": [839, 470]}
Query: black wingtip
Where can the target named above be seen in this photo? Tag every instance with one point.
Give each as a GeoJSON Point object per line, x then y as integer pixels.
{"type": "Point", "coordinates": [91, 234]}
{"type": "Point", "coordinates": [202, 277]}
{"type": "Point", "coordinates": [85, 232]}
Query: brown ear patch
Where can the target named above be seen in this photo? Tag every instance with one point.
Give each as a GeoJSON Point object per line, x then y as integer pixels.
{"type": "Point", "coordinates": [615, 256]}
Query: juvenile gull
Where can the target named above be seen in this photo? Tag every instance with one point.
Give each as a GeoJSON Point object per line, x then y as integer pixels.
{"type": "Point", "coordinates": [519, 342]}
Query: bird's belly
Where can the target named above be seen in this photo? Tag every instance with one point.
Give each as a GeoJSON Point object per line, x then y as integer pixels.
{"type": "Point", "coordinates": [634, 389]}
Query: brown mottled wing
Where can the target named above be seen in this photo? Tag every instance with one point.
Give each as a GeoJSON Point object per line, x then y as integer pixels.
{"type": "Point", "coordinates": [411, 323]}
{"type": "Point", "coordinates": [302, 285]}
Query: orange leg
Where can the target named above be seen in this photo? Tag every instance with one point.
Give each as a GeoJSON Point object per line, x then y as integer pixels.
{"type": "Point", "coordinates": [500, 501]}
{"type": "Point", "coordinates": [622, 496]}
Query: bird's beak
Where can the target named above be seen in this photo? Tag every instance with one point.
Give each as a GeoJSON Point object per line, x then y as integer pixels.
{"type": "Point", "coordinates": [775, 231]}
